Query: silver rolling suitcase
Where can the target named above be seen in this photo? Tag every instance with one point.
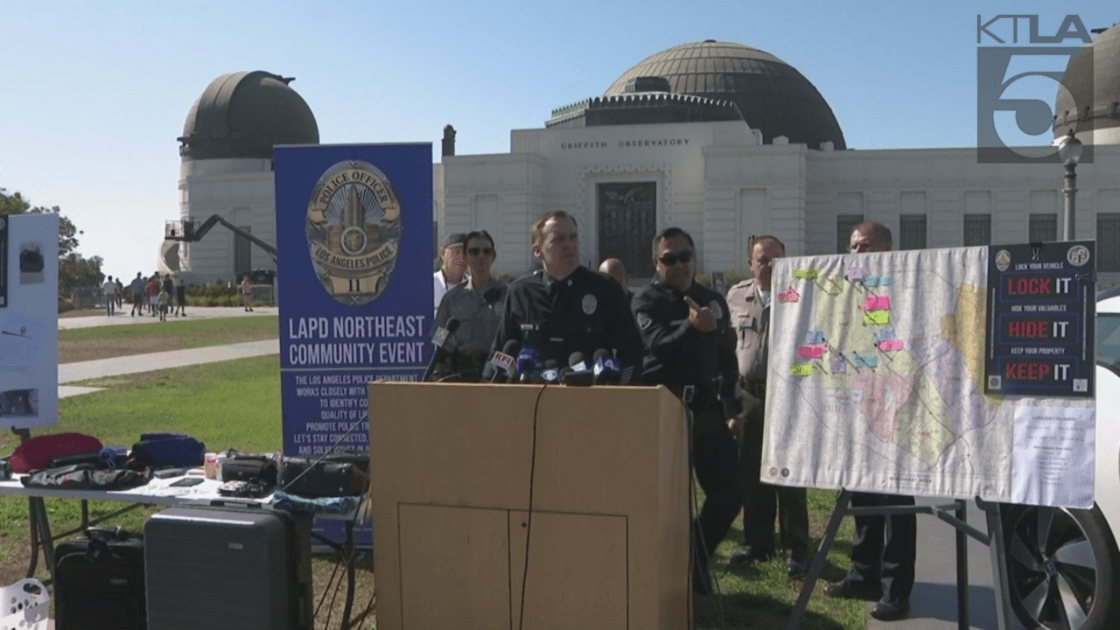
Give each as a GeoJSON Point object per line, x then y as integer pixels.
{"type": "Point", "coordinates": [228, 565]}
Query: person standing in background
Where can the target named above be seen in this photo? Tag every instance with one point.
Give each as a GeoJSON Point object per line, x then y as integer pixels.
{"type": "Point", "coordinates": [884, 550]}
{"type": "Point", "coordinates": [452, 266]}
{"type": "Point", "coordinates": [749, 302]}
{"type": "Point", "coordinates": [247, 293]}
{"type": "Point", "coordinates": [477, 304]}
{"type": "Point", "coordinates": [109, 293]}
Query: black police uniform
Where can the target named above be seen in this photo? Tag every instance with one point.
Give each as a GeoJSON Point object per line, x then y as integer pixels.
{"type": "Point", "coordinates": [702, 369]}
{"type": "Point", "coordinates": [582, 313]}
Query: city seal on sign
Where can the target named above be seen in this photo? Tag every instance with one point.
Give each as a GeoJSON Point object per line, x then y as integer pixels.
{"type": "Point", "coordinates": [354, 231]}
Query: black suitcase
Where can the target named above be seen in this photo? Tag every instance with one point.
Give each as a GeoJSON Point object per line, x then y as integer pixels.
{"type": "Point", "coordinates": [99, 581]}
{"type": "Point", "coordinates": [224, 565]}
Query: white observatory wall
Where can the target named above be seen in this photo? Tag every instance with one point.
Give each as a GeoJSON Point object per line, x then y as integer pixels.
{"type": "Point", "coordinates": [241, 191]}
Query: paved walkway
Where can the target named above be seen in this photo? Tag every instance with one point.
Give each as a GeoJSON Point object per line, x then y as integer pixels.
{"type": "Point", "coordinates": [123, 318]}
{"type": "Point", "coordinates": [117, 366]}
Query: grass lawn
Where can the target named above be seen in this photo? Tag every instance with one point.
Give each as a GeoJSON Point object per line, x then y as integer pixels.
{"type": "Point", "coordinates": [101, 342]}
{"type": "Point", "coordinates": [237, 404]}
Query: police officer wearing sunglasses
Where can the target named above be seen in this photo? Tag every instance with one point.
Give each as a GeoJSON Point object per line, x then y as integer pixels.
{"type": "Point", "coordinates": [691, 350]}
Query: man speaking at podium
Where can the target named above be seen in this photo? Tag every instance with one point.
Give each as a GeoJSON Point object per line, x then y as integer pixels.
{"type": "Point", "coordinates": [566, 308]}
{"type": "Point", "coordinates": [691, 350]}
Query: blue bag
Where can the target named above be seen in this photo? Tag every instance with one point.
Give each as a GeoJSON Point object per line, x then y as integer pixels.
{"type": "Point", "coordinates": [164, 450]}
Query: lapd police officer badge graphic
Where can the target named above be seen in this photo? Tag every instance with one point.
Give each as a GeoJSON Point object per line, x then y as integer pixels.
{"type": "Point", "coordinates": [354, 231]}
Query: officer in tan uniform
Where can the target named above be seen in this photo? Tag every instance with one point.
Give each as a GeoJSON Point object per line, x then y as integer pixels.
{"type": "Point", "coordinates": [749, 302]}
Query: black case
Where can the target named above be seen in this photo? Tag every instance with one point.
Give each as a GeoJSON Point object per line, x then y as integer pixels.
{"type": "Point", "coordinates": [230, 565]}
{"type": "Point", "coordinates": [99, 581]}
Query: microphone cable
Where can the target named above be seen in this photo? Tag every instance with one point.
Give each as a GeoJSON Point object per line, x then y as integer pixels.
{"type": "Point", "coordinates": [529, 519]}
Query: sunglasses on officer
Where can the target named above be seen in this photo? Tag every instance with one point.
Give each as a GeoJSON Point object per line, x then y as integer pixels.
{"type": "Point", "coordinates": [671, 259]}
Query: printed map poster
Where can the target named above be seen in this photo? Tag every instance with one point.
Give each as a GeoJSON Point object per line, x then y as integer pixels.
{"type": "Point", "coordinates": [354, 274]}
{"type": "Point", "coordinates": [29, 320]}
{"type": "Point", "coordinates": [876, 383]}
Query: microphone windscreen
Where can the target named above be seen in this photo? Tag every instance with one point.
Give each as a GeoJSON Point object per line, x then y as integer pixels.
{"type": "Point", "coordinates": [527, 360]}
{"type": "Point", "coordinates": [550, 373]}
{"type": "Point", "coordinates": [575, 361]}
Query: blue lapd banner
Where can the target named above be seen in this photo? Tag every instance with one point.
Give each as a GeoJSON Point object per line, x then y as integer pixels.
{"type": "Point", "coordinates": [354, 267]}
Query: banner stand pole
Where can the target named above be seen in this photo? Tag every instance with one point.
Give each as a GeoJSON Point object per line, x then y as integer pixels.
{"type": "Point", "coordinates": [843, 500]}
{"type": "Point", "coordinates": [954, 514]}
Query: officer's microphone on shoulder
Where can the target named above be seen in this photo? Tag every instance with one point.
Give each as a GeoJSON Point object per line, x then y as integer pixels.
{"type": "Point", "coordinates": [441, 339]}
{"type": "Point", "coordinates": [501, 366]}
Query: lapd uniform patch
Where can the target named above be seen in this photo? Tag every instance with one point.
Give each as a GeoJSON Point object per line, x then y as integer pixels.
{"type": "Point", "coordinates": [354, 231]}
{"type": "Point", "coordinates": [589, 304]}
{"type": "Point", "coordinates": [644, 321]}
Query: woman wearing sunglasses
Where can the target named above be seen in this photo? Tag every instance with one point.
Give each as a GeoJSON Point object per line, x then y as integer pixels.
{"type": "Point", "coordinates": [477, 304]}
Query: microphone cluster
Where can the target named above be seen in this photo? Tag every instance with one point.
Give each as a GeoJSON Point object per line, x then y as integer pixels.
{"type": "Point", "coordinates": [503, 367]}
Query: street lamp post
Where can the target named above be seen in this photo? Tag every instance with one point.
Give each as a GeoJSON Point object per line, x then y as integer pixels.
{"type": "Point", "coordinates": [1069, 152]}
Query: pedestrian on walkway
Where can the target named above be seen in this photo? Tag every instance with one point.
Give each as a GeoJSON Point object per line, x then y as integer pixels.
{"type": "Point", "coordinates": [153, 293]}
{"type": "Point", "coordinates": [164, 299]}
{"type": "Point", "coordinates": [181, 295]}
{"type": "Point", "coordinates": [109, 293]}
{"type": "Point", "coordinates": [137, 286]}
{"type": "Point", "coordinates": [247, 293]}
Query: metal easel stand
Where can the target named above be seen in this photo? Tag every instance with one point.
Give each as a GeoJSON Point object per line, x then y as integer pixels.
{"type": "Point", "coordinates": [953, 514]}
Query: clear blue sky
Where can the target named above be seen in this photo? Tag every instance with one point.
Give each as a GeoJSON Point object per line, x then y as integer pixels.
{"type": "Point", "coordinates": [95, 94]}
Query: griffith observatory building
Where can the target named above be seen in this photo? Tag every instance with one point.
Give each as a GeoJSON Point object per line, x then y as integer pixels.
{"type": "Point", "coordinates": [721, 139]}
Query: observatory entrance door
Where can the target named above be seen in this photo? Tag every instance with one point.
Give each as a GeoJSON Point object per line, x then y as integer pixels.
{"type": "Point", "coordinates": [627, 224]}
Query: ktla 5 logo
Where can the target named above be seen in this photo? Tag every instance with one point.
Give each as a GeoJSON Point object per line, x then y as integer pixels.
{"type": "Point", "coordinates": [1017, 85]}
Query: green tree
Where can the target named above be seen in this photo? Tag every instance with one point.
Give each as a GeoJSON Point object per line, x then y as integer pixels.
{"type": "Point", "coordinates": [73, 269]}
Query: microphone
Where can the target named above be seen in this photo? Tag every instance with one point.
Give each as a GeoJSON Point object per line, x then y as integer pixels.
{"type": "Point", "coordinates": [442, 335]}
{"type": "Point", "coordinates": [527, 364]}
{"type": "Point", "coordinates": [550, 373]}
{"type": "Point", "coordinates": [607, 369]}
{"type": "Point", "coordinates": [578, 373]}
{"type": "Point", "coordinates": [500, 367]}
{"type": "Point", "coordinates": [576, 362]}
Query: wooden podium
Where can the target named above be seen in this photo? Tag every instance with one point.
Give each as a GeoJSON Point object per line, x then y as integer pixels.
{"type": "Point", "coordinates": [608, 531]}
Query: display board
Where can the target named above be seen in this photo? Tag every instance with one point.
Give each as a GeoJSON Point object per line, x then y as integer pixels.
{"type": "Point", "coordinates": [879, 376]}
{"type": "Point", "coordinates": [29, 320]}
{"type": "Point", "coordinates": [354, 278]}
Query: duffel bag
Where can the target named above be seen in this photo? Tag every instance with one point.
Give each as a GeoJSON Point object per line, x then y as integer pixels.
{"type": "Point", "coordinates": [325, 478]}
{"type": "Point", "coordinates": [252, 468]}
{"type": "Point", "coordinates": [36, 453]}
{"type": "Point", "coordinates": [167, 450]}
